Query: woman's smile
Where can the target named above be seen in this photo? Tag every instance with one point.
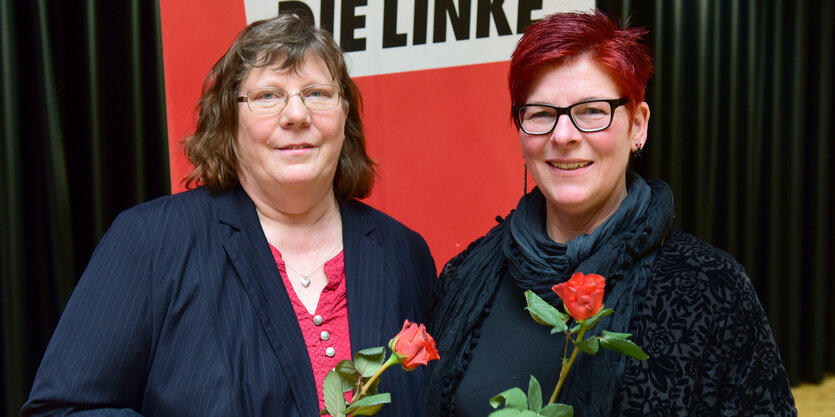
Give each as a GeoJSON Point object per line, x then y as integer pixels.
{"type": "Point", "coordinates": [569, 166]}
{"type": "Point", "coordinates": [297, 149]}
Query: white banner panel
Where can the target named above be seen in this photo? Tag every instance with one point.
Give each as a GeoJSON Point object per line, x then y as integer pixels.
{"type": "Point", "coordinates": [388, 36]}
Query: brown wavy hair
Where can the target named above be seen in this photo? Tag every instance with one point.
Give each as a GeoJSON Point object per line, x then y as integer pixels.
{"type": "Point", "coordinates": [286, 39]}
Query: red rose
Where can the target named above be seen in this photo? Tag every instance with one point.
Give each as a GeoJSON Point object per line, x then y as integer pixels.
{"type": "Point", "coordinates": [582, 294]}
{"type": "Point", "coordinates": [415, 346]}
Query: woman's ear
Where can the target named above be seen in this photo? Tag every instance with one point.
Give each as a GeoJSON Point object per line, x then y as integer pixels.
{"type": "Point", "coordinates": [639, 125]}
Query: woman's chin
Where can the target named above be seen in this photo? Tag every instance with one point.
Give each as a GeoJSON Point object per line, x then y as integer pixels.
{"type": "Point", "coordinates": [568, 200]}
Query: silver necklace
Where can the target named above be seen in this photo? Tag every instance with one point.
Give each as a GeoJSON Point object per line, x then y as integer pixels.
{"type": "Point", "coordinates": [305, 278]}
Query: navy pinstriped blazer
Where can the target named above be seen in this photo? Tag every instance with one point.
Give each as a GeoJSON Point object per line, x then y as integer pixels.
{"type": "Point", "coordinates": [181, 312]}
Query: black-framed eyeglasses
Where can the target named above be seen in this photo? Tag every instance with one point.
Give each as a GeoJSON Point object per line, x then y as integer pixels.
{"type": "Point", "coordinates": [270, 100]}
{"type": "Point", "coordinates": [586, 116]}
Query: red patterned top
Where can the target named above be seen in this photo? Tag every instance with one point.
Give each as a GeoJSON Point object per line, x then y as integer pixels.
{"type": "Point", "coordinates": [326, 333]}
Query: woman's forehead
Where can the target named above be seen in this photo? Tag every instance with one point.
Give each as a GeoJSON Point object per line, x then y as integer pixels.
{"type": "Point", "coordinates": [280, 62]}
{"type": "Point", "coordinates": [312, 68]}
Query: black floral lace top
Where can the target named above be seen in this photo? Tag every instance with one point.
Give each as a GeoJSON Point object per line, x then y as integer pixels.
{"type": "Point", "coordinates": [710, 345]}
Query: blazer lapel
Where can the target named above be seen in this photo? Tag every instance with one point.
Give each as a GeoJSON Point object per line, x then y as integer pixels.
{"type": "Point", "coordinates": [249, 253]}
{"type": "Point", "coordinates": [365, 272]}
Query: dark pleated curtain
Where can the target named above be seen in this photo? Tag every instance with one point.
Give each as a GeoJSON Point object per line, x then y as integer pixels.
{"type": "Point", "coordinates": [83, 138]}
{"type": "Point", "coordinates": [741, 128]}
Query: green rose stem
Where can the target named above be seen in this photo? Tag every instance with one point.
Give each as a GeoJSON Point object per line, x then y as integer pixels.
{"type": "Point", "coordinates": [567, 366]}
{"type": "Point", "coordinates": [392, 360]}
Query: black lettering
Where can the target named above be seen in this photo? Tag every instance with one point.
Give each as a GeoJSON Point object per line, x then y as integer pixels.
{"type": "Point", "coordinates": [349, 23]}
{"type": "Point", "coordinates": [327, 15]}
{"type": "Point", "coordinates": [482, 18]}
{"type": "Point", "coordinates": [460, 22]}
{"type": "Point", "coordinates": [297, 8]}
{"type": "Point", "coordinates": [390, 36]}
{"type": "Point", "coordinates": [421, 19]}
{"type": "Point", "coordinates": [523, 19]}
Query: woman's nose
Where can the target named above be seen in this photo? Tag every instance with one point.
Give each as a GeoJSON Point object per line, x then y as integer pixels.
{"type": "Point", "coordinates": [564, 132]}
{"type": "Point", "coordinates": [294, 113]}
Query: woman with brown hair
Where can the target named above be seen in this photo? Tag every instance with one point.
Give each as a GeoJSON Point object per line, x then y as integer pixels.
{"type": "Point", "coordinates": [235, 298]}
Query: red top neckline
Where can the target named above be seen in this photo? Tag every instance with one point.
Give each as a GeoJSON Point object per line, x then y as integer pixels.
{"type": "Point", "coordinates": [326, 334]}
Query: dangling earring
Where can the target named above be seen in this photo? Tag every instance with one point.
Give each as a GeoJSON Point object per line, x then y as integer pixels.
{"type": "Point", "coordinates": [639, 152]}
{"type": "Point", "coordinates": [525, 180]}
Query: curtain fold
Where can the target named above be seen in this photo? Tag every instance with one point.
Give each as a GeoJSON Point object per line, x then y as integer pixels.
{"type": "Point", "coordinates": [741, 128]}
{"type": "Point", "coordinates": [11, 212]}
{"type": "Point", "coordinates": [91, 41]}
{"type": "Point", "coordinates": [823, 264]}
{"type": "Point", "coordinates": [83, 138]}
{"type": "Point", "coordinates": [56, 185]}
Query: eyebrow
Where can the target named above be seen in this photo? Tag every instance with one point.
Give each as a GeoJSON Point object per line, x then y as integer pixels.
{"type": "Point", "coordinates": [587, 98]}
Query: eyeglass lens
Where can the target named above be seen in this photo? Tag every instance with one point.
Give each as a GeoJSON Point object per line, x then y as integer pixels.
{"type": "Point", "coordinates": [588, 116]}
{"type": "Point", "coordinates": [273, 100]}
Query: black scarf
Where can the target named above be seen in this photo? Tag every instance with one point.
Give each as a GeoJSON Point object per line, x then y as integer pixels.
{"type": "Point", "coordinates": [621, 249]}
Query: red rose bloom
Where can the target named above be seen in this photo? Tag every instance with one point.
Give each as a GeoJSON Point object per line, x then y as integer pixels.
{"type": "Point", "coordinates": [582, 294]}
{"type": "Point", "coordinates": [415, 346]}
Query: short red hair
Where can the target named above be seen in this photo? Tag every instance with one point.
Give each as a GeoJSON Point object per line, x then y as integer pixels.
{"type": "Point", "coordinates": [563, 36]}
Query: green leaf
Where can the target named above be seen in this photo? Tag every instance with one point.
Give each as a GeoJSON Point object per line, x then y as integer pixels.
{"type": "Point", "coordinates": [557, 410]}
{"type": "Point", "coordinates": [544, 313]}
{"type": "Point", "coordinates": [590, 345]}
{"type": "Point", "coordinates": [370, 405]}
{"type": "Point", "coordinates": [332, 389]}
{"type": "Point", "coordinates": [506, 412]}
{"type": "Point", "coordinates": [348, 373]}
{"type": "Point", "coordinates": [513, 398]}
{"type": "Point", "coordinates": [555, 330]}
{"type": "Point", "coordinates": [368, 361]}
{"type": "Point", "coordinates": [534, 395]}
{"type": "Point", "coordinates": [345, 367]}
{"type": "Point", "coordinates": [593, 320]}
{"type": "Point", "coordinates": [512, 412]}
{"type": "Point", "coordinates": [619, 342]}
{"type": "Point", "coordinates": [614, 335]}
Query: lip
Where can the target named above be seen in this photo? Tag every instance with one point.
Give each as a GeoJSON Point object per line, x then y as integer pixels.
{"type": "Point", "coordinates": [569, 166]}
{"type": "Point", "coordinates": [295, 148]}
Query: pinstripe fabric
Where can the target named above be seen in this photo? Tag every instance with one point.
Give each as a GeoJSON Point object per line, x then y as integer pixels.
{"type": "Point", "coordinates": [181, 312]}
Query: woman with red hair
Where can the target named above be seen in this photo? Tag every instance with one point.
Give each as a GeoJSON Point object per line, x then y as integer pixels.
{"type": "Point", "coordinates": [577, 83]}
